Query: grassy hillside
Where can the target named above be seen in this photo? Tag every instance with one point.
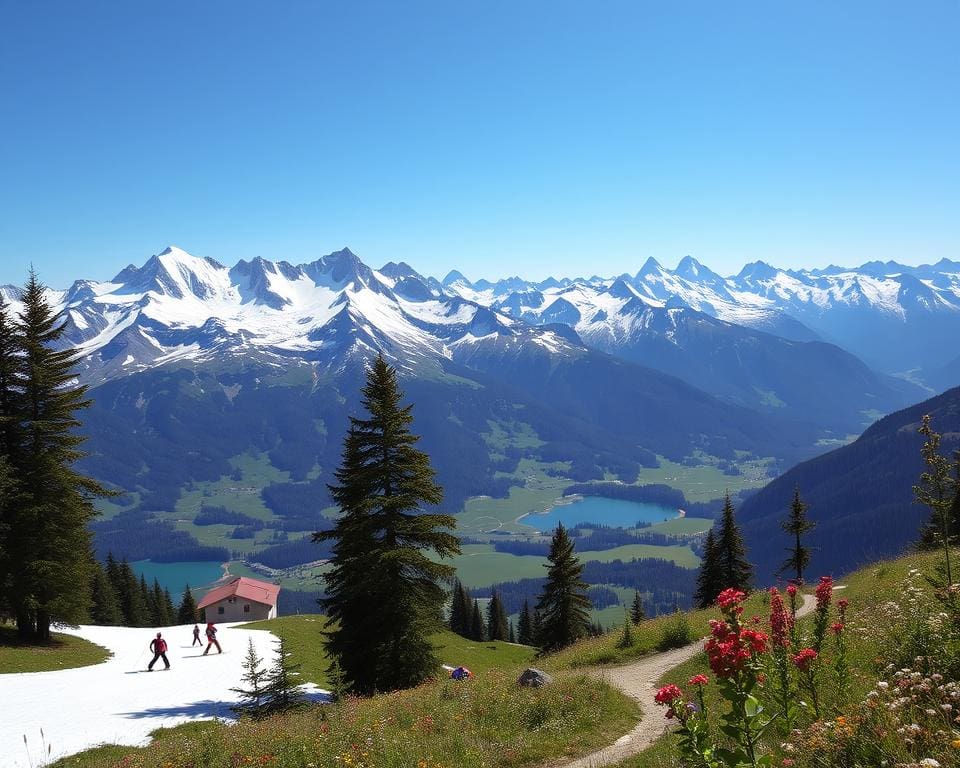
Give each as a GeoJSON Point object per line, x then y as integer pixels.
{"type": "Point", "coordinates": [63, 652]}
{"type": "Point", "coordinates": [303, 633]}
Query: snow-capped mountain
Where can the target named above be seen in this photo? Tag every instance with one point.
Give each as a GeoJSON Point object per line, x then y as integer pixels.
{"type": "Point", "coordinates": [893, 316]}
{"type": "Point", "coordinates": [179, 307]}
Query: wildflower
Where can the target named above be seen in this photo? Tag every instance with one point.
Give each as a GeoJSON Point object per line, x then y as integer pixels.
{"type": "Point", "coordinates": [667, 695]}
{"type": "Point", "coordinates": [837, 628]}
{"type": "Point", "coordinates": [698, 680]}
{"type": "Point", "coordinates": [805, 658]}
{"type": "Point", "coordinates": [780, 621]}
{"type": "Point", "coordinates": [730, 600]}
{"type": "Point", "coordinates": [792, 590]}
{"type": "Point", "coordinates": [824, 593]}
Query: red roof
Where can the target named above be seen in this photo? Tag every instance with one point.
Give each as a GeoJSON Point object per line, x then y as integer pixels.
{"type": "Point", "coordinates": [243, 587]}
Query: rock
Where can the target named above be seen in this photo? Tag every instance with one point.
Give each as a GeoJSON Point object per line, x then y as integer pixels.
{"type": "Point", "coordinates": [534, 678]}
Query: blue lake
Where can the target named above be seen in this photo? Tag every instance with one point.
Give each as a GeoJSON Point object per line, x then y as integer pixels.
{"type": "Point", "coordinates": [616, 513]}
{"type": "Point", "coordinates": [174, 576]}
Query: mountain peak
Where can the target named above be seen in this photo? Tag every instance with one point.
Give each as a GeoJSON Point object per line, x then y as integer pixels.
{"type": "Point", "coordinates": [690, 268]}
{"type": "Point", "coordinates": [757, 270]}
{"type": "Point", "coordinates": [650, 266]}
{"type": "Point", "coordinates": [454, 276]}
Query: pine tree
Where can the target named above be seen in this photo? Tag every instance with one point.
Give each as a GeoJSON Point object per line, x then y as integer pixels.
{"type": "Point", "coordinates": [525, 625]}
{"type": "Point", "coordinates": [709, 577]}
{"type": "Point", "coordinates": [563, 603]}
{"type": "Point", "coordinates": [11, 412]}
{"type": "Point", "coordinates": [735, 569]}
{"type": "Point", "coordinates": [626, 636]}
{"type": "Point", "coordinates": [254, 680]}
{"type": "Point", "coordinates": [151, 618]}
{"type": "Point", "coordinates": [187, 612]}
{"type": "Point", "coordinates": [161, 617]}
{"type": "Point", "coordinates": [48, 567]}
{"type": "Point", "coordinates": [132, 604]}
{"type": "Point", "coordinates": [796, 525]}
{"type": "Point", "coordinates": [637, 614]}
{"type": "Point", "coordinates": [169, 612]}
{"type": "Point", "coordinates": [477, 630]}
{"type": "Point", "coordinates": [937, 490]}
{"type": "Point", "coordinates": [281, 690]}
{"type": "Point", "coordinates": [460, 609]}
{"type": "Point", "coordinates": [104, 604]}
{"type": "Point", "coordinates": [497, 628]}
{"type": "Point", "coordinates": [384, 590]}
{"type": "Point", "coordinates": [536, 627]}
{"type": "Point", "coordinates": [512, 637]}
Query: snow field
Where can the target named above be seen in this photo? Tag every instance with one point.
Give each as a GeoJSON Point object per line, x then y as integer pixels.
{"type": "Point", "coordinates": [118, 701]}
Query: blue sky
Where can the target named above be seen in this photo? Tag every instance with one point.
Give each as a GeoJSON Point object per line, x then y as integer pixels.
{"type": "Point", "coordinates": [498, 138]}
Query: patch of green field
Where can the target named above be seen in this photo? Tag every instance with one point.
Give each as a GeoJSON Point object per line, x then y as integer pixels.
{"type": "Point", "coordinates": [681, 555]}
{"type": "Point", "coordinates": [301, 577]}
{"type": "Point", "coordinates": [516, 434]}
{"type": "Point", "coordinates": [241, 495]}
{"type": "Point", "coordinates": [63, 652]}
{"type": "Point", "coordinates": [483, 514]}
{"type": "Point", "coordinates": [706, 481]}
{"type": "Point", "coordinates": [478, 565]}
{"type": "Point", "coordinates": [682, 526]}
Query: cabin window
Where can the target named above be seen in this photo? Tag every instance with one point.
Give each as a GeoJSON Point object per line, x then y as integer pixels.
{"type": "Point", "coordinates": [246, 608]}
{"type": "Point", "coordinates": [219, 609]}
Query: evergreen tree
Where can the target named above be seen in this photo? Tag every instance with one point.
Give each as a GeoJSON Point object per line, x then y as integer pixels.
{"type": "Point", "coordinates": [132, 604]}
{"type": "Point", "coordinates": [187, 612]}
{"type": "Point", "coordinates": [512, 637]}
{"type": "Point", "coordinates": [796, 525]}
{"type": "Point", "coordinates": [536, 627]}
{"type": "Point", "coordinates": [460, 610]}
{"type": "Point", "coordinates": [637, 614]}
{"type": "Point", "coordinates": [48, 542]}
{"type": "Point", "coordinates": [525, 625]}
{"type": "Point", "coordinates": [169, 612]}
{"type": "Point", "coordinates": [151, 618]}
{"type": "Point", "coordinates": [497, 628]}
{"type": "Point", "coordinates": [11, 411]}
{"type": "Point", "coordinates": [735, 569]}
{"type": "Point", "coordinates": [384, 591]}
{"type": "Point", "coordinates": [626, 636]}
{"type": "Point", "coordinates": [104, 604]}
{"type": "Point", "coordinates": [936, 490]}
{"type": "Point", "coordinates": [563, 603]}
{"type": "Point", "coordinates": [281, 690]}
{"type": "Point", "coordinates": [161, 618]}
{"type": "Point", "coordinates": [709, 577]}
{"type": "Point", "coordinates": [254, 680]}
{"type": "Point", "coordinates": [477, 629]}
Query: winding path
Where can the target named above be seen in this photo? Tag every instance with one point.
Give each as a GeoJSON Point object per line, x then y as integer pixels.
{"type": "Point", "coordinates": [639, 681]}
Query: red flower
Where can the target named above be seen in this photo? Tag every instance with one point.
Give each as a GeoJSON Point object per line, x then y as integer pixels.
{"type": "Point", "coordinates": [757, 641]}
{"type": "Point", "coordinates": [842, 608]}
{"type": "Point", "coordinates": [792, 590]}
{"type": "Point", "coordinates": [781, 622]}
{"type": "Point", "coordinates": [698, 680]}
{"type": "Point", "coordinates": [730, 600]}
{"type": "Point", "coordinates": [824, 593]}
{"type": "Point", "coordinates": [837, 628]}
{"type": "Point", "coordinates": [804, 659]}
{"type": "Point", "coordinates": [668, 694]}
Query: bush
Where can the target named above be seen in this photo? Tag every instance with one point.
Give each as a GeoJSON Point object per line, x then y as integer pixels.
{"type": "Point", "coordinates": [676, 633]}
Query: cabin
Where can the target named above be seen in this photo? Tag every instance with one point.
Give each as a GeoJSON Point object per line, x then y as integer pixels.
{"type": "Point", "coordinates": [241, 599]}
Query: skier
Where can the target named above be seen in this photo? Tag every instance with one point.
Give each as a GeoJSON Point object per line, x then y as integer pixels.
{"type": "Point", "coordinates": [196, 636]}
{"type": "Point", "coordinates": [158, 646]}
{"type": "Point", "coordinates": [212, 639]}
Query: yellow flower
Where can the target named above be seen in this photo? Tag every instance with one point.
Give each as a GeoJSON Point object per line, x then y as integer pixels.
{"type": "Point", "coordinates": [955, 743]}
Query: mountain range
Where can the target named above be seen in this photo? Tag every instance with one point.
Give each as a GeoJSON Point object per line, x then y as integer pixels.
{"type": "Point", "coordinates": [193, 364]}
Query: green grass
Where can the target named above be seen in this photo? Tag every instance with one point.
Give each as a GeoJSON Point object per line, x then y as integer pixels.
{"type": "Point", "coordinates": [302, 634]}
{"type": "Point", "coordinates": [682, 526]}
{"type": "Point", "coordinates": [706, 482]}
{"type": "Point", "coordinates": [682, 555]}
{"type": "Point", "coordinates": [63, 652]}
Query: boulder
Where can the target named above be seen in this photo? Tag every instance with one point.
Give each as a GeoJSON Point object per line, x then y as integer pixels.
{"type": "Point", "coordinates": [534, 678]}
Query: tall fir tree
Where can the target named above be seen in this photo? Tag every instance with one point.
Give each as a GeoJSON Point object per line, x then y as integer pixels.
{"type": "Point", "coordinates": [11, 412]}
{"type": "Point", "coordinates": [936, 491]}
{"type": "Point", "coordinates": [49, 561]}
{"type": "Point", "coordinates": [460, 609]}
{"type": "Point", "coordinates": [637, 613]}
{"type": "Point", "coordinates": [281, 688]}
{"type": "Point", "coordinates": [187, 611]}
{"type": "Point", "coordinates": [169, 611]}
{"type": "Point", "coordinates": [512, 637]}
{"type": "Point", "coordinates": [253, 680]}
{"type": "Point", "coordinates": [796, 525]}
{"type": "Point", "coordinates": [525, 625]}
{"type": "Point", "coordinates": [710, 577]}
{"type": "Point", "coordinates": [104, 604]}
{"type": "Point", "coordinates": [563, 604]}
{"type": "Point", "coordinates": [384, 590]}
{"type": "Point", "coordinates": [735, 569]}
{"type": "Point", "coordinates": [477, 630]}
{"type": "Point", "coordinates": [132, 604]}
{"type": "Point", "coordinates": [150, 618]}
{"type": "Point", "coordinates": [497, 628]}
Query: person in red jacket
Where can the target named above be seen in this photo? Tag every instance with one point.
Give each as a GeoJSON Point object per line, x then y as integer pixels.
{"type": "Point", "coordinates": [158, 647]}
{"type": "Point", "coordinates": [212, 638]}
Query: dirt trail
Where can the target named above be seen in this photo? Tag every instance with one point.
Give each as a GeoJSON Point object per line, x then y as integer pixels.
{"type": "Point", "coordinates": [638, 681]}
